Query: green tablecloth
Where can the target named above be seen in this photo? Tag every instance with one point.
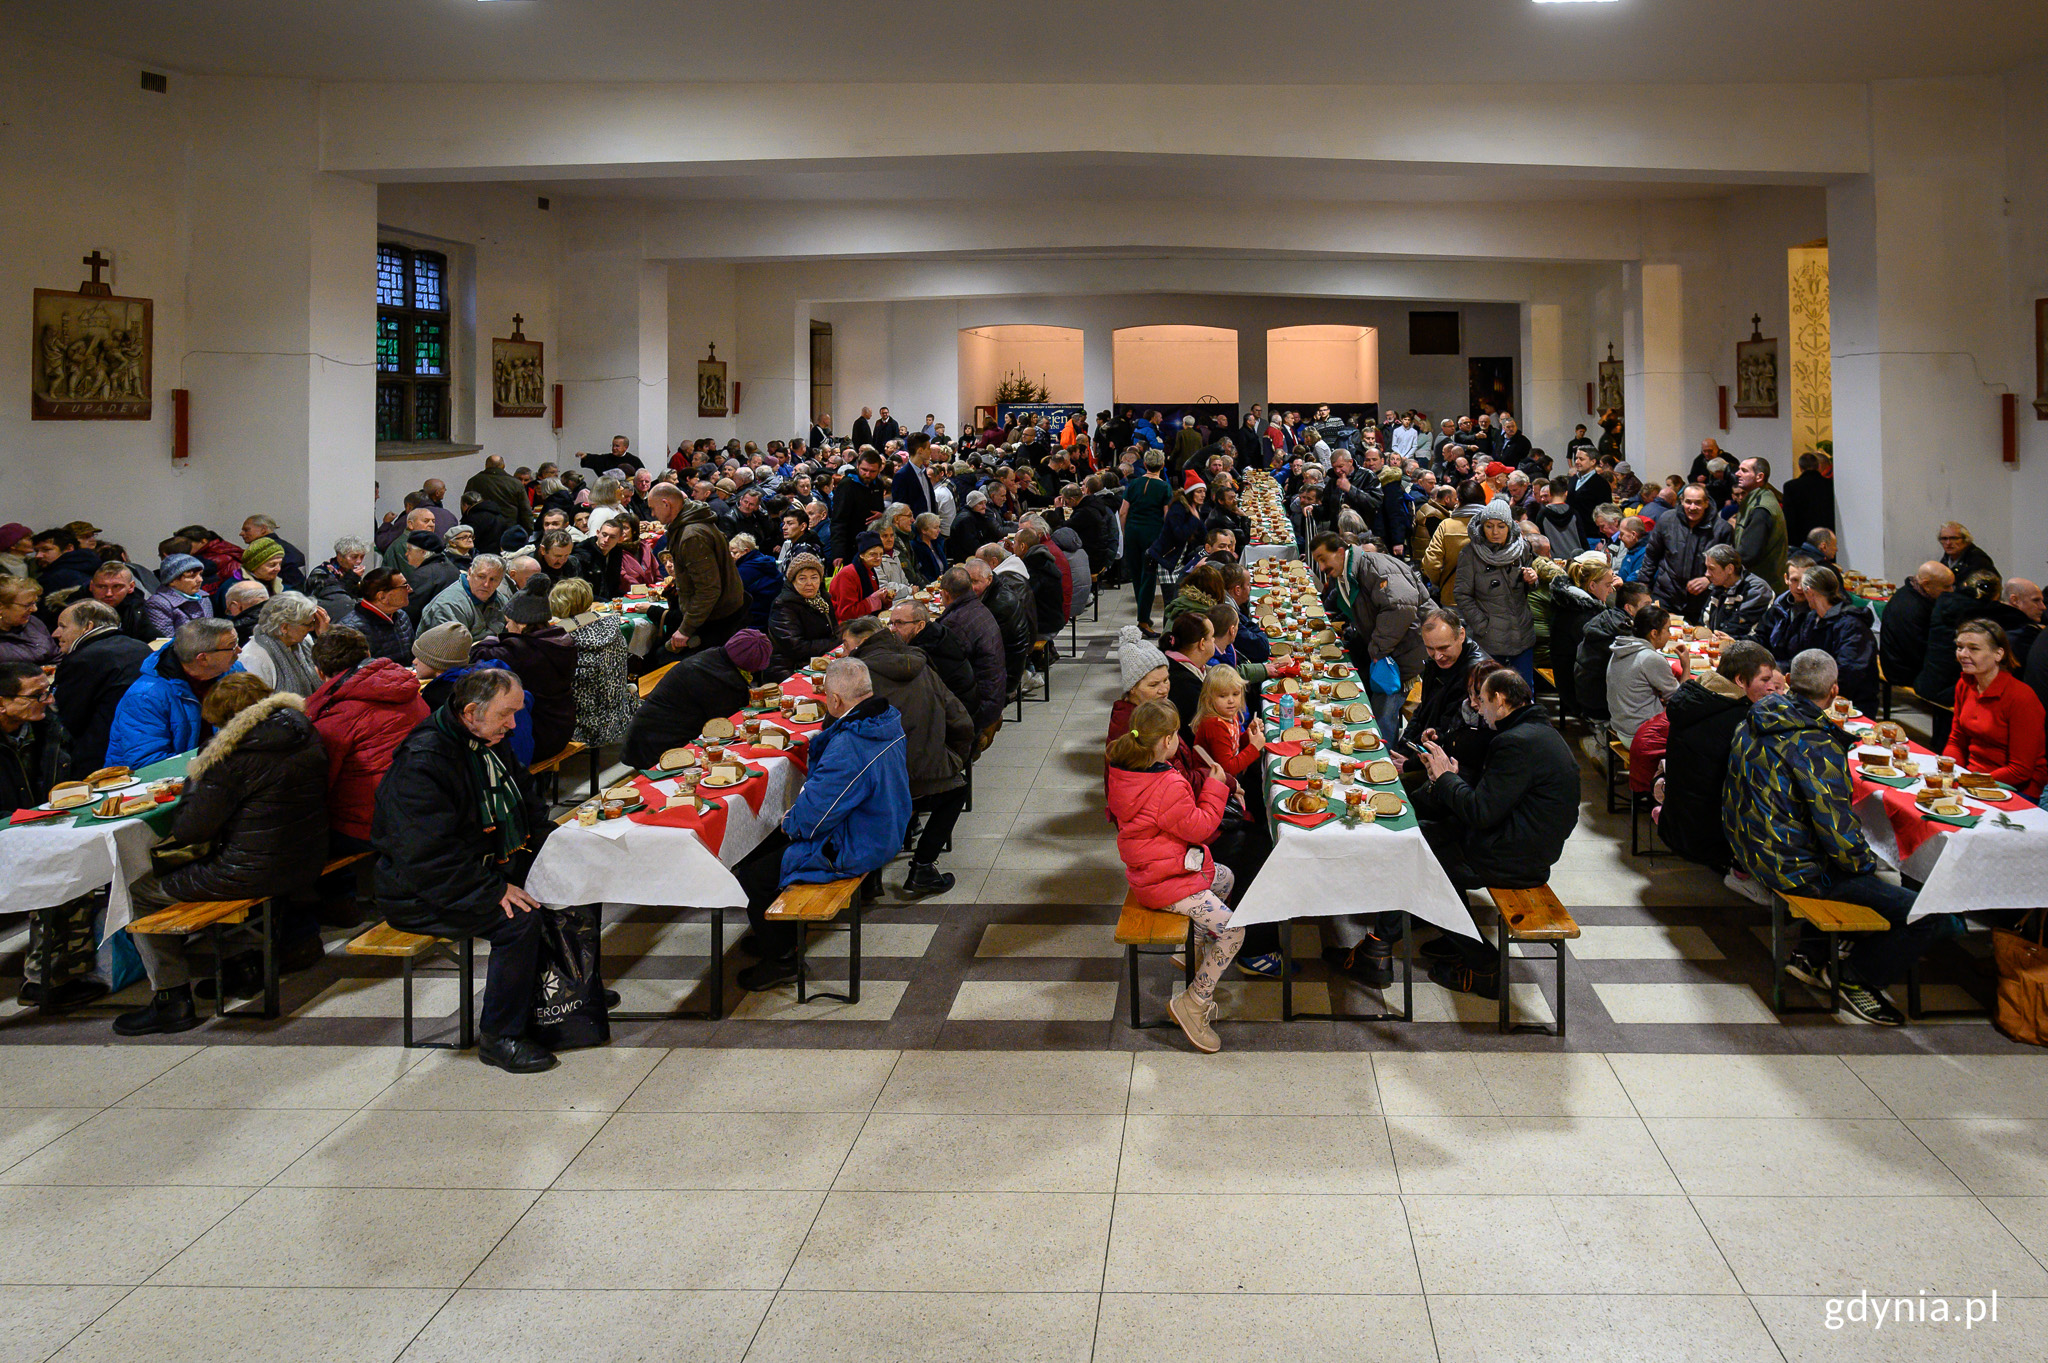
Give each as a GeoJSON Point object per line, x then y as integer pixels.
{"type": "Point", "coordinates": [159, 819]}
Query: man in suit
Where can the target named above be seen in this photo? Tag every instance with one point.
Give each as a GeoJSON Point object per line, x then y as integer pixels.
{"type": "Point", "coordinates": [821, 432]}
{"type": "Point", "coordinates": [912, 484]}
{"type": "Point", "coordinates": [886, 429]}
{"type": "Point", "coordinates": [863, 432]}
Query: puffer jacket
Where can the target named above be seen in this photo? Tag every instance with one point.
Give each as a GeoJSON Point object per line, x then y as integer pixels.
{"type": "Point", "coordinates": [258, 793]}
{"type": "Point", "coordinates": [1596, 651]}
{"type": "Point", "coordinates": [336, 588]}
{"type": "Point", "coordinates": [1704, 712]}
{"type": "Point", "coordinates": [1008, 598]}
{"type": "Point", "coordinates": [362, 716]}
{"type": "Point", "coordinates": [762, 581]}
{"type": "Point", "coordinates": [1050, 591]}
{"type": "Point", "coordinates": [1571, 610]}
{"type": "Point", "coordinates": [389, 636]}
{"type": "Point", "coordinates": [704, 684]}
{"type": "Point", "coordinates": [1158, 818]}
{"type": "Point", "coordinates": [1495, 603]}
{"type": "Point", "coordinates": [91, 679]}
{"type": "Point", "coordinates": [167, 609]}
{"type": "Point", "coordinates": [544, 659]}
{"type": "Point", "coordinates": [1080, 572]}
{"type": "Point", "coordinates": [158, 716]}
{"type": "Point", "coordinates": [1677, 554]}
{"type": "Point", "coordinates": [1638, 679]}
{"type": "Point", "coordinates": [938, 730]}
{"type": "Point", "coordinates": [970, 624]}
{"type": "Point", "coordinates": [1786, 808]}
{"type": "Point", "coordinates": [850, 816]}
{"type": "Point", "coordinates": [1516, 817]}
{"type": "Point", "coordinates": [799, 631]}
{"type": "Point", "coordinates": [1738, 610]}
{"type": "Point", "coordinates": [1383, 598]}
{"type": "Point", "coordinates": [949, 663]}
{"type": "Point", "coordinates": [707, 583]}
{"type": "Point", "coordinates": [1847, 634]}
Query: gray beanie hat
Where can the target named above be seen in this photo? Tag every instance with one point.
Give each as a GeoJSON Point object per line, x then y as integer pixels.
{"type": "Point", "coordinates": [1136, 656]}
{"type": "Point", "coordinates": [445, 646]}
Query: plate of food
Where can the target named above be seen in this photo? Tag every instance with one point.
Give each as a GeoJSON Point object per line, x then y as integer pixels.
{"type": "Point", "coordinates": [69, 795]}
{"type": "Point", "coordinates": [1297, 734]}
{"type": "Point", "coordinates": [724, 776]}
{"type": "Point", "coordinates": [1298, 767]}
{"type": "Point", "coordinates": [1385, 804]}
{"type": "Point", "coordinates": [124, 806]}
{"type": "Point", "coordinates": [719, 727]}
{"type": "Point", "coordinates": [1882, 769]}
{"type": "Point", "coordinates": [1381, 772]}
{"type": "Point", "coordinates": [1366, 742]}
{"type": "Point", "coordinates": [1301, 802]}
{"type": "Point", "coordinates": [807, 712]}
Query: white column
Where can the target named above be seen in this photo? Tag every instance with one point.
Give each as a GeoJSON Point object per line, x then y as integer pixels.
{"type": "Point", "coordinates": [607, 341]}
{"type": "Point", "coordinates": [1654, 313]}
{"type": "Point", "coordinates": [650, 433]}
{"type": "Point", "coordinates": [1098, 367]}
{"type": "Point", "coordinates": [1546, 389]}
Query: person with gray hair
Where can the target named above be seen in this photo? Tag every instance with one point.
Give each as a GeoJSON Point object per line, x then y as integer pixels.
{"type": "Point", "coordinates": [1788, 815]}
{"type": "Point", "coordinates": [260, 526]}
{"type": "Point", "coordinates": [281, 649]}
{"type": "Point", "coordinates": [337, 584]}
{"type": "Point", "coordinates": [159, 714]}
{"type": "Point", "coordinates": [1737, 599]}
{"type": "Point", "coordinates": [477, 599]}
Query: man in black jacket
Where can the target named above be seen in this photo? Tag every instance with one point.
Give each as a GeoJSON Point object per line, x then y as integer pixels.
{"type": "Point", "coordinates": [857, 501]}
{"type": "Point", "coordinates": [1589, 489]}
{"type": "Point", "coordinates": [1094, 520]}
{"type": "Point", "coordinates": [1596, 648]}
{"type": "Point", "coordinates": [1902, 645]}
{"type": "Point", "coordinates": [862, 432]}
{"type": "Point", "coordinates": [1705, 711]}
{"type": "Point", "coordinates": [100, 663]}
{"type": "Point", "coordinates": [597, 560]}
{"type": "Point", "coordinates": [1675, 564]}
{"type": "Point", "coordinates": [970, 623]}
{"type": "Point", "coordinates": [60, 564]}
{"type": "Point", "coordinates": [1510, 828]}
{"type": "Point", "coordinates": [1808, 500]}
{"type": "Point", "coordinates": [1451, 656]}
{"type": "Point", "coordinates": [456, 829]}
{"type": "Point", "coordinates": [1738, 599]}
{"type": "Point", "coordinates": [910, 622]}
{"type": "Point", "coordinates": [886, 429]}
{"type": "Point", "coordinates": [487, 520]}
{"type": "Point", "coordinates": [1008, 598]}
{"type": "Point", "coordinates": [939, 744]}
{"type": "Point", "coordinates": [711, 681]}
{"type": "Point", "coordinates": [1048, 583]}
{"type": "Point", "coordinates": [113, 586]}
{"type": "Point", "coordinates": [381, 615]}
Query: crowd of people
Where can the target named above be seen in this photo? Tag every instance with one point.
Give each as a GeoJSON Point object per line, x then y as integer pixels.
{"type": "Point", "coordinates": [394, 696]}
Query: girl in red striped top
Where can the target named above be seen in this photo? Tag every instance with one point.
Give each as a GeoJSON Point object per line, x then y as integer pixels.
{"type": "Point", "coordinates": [1220, 722]}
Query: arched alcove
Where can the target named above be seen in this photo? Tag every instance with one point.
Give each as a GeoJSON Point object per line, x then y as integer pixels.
{"type": "Point", "coordinates": [1047, 355]}
{"type": "Point", "coordinates": [1339, 365]}
{"type": "Point", "coordinates": [1169, 365]}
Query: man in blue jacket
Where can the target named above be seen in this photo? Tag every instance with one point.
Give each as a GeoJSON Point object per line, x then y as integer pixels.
{"type": "Point", "coordinates": [159, 715]}
{"type": "Point", "coordinates": [848, 820]}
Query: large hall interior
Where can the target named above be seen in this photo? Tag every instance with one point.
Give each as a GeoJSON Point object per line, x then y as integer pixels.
{"type": "Point", "coordinates": [1373, 663]}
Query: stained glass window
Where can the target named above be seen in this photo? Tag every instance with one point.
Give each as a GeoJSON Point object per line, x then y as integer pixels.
{"type": "Point", "coordinates": [413, 332]}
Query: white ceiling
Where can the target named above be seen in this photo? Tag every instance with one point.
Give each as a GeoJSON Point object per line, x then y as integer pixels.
{"type": "Point", "coordinates": [1224, 42]}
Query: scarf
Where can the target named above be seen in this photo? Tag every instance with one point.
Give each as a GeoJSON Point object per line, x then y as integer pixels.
{"type": "Point", "coordinates": [294, 665]}
{"type": "Point", "coordinates": [500, 807]}
{"type": "Point", "coordinates": [1507, 555]}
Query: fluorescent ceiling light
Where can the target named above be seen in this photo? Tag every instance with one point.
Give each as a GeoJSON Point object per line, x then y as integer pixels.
{"type": "Point", "coordinates": [1575, 2]}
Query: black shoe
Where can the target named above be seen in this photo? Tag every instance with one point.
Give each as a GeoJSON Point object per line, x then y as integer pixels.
{"type": "Point", "coordinates": [1355, 964]}
{"type": "Point", "coordinates": [514, 1054]}
{"type": "Point", "coordinates": [871, 886]}
{"type": "Point", "coordinates": [1438, 948]}
{"type": "Point", "coordinates": [1454, 974]}
{"type": "Point", "coordinates": [924, 880]}
{"type": "Point", "coordinates": [242, 975]}
{"type": "Point", "coordinates": [611, 999]}
{"type": "Point", "coordinates": [1868, 1003]}
{"type": "Point", "coordinates": [764, 975]}
{"type": "Point", "coordinates": [30, 994]}
{"type": "Point", "coordinates": [72, 994]}
{"type": "Point", "coordinates": [170, 1011]}
{"type": "Point", "coordinates": [749, 943]}
{"type": "Point", "coordinates": [303, 954]}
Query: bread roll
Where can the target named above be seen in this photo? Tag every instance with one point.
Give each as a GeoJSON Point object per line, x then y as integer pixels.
{"type": "Point", "coordinates": [673, 759]}
{"type": "Point", "coordinates": [108, 777]}
{"type": "Point", "coordinates": [70, 794]}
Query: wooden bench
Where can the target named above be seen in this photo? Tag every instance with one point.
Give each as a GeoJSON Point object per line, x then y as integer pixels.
{"type": "Point", "coordinates": [552, 766]}
{"type": "Point", "coordinates": [652, 679]}
{"type": "Point", "coordinates": [1617, 772]}
{"type": "Point", "coordinates": [1532, 916]}
{"type": "Point", "coordinates": [210, 916]}
{"type": "Point", "coordinates": [804, 905]}
{"type": "Point", "coordinates": [411, 949]}
{"type": "Point", "coordinates": [1835, 919]}
{"type": "Point", "coordinates": [342, 863]}
{"type": "Point", "coordinates": [1152, 932]}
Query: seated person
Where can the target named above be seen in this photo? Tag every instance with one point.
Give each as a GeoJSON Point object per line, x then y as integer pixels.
{"type": "Point", "coordinates": [100, 663]}
{"type": "Point", "coordinates": [939, 737]}
{"type": "Point", "coordinates": [159, 715]}
{"type": "Point", "coordinates": [847, 821]}
{"type": "Point", "coordinates": [1843, 629]}
{"type": "Point", "coordinates": [363, 709]}
{"type": "Point", "coordinates": [1737, 599]}
{"type": "Point", "coordinates": [1902, 643]}
{"type": "Point", "coordinates": [256, 796]}
{"type": "Point", "coordinates": [711, 681]}
{"type": "Point", "coordinates": [857, 589]}
{"type": "Point", "coordinates": [1639, 676]}
{"type": "Point", "coordinates": [1998, 727]}
{"type": "Point", "coordinates": [1974, 597]}
{"type": "Point", "coordinates": [1704, 713]}
{"type": "Point", "coordinates": [1596, 650]}
{"type": "Point", "coordinates": [456, 828]}
{"type": "Point", "coordinates": [1451, 656]}
{"type": "Point", "coordinates": [1509, 827]}
{"type": "Point", "coordinates": [381, 615]}
{"type": "Point", "coordinates": [544, 656]}
{"type": "Point", "coordinates": [1787, 616]}
{"type": "Point", "coordinates": [58, 974]}
{"type": "Point", "coordinates": [1787, 816]}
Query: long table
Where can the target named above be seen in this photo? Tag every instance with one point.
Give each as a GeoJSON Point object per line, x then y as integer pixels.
{"type": "Point", "coordinates": [53, 861]}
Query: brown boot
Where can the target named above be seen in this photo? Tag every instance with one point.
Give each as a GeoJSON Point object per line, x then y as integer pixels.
{"type": "Point", "coordinates": [1193, 1017]}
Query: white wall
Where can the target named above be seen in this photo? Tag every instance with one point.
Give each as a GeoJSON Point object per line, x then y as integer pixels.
{"type": "Point", "coordinates": [1046, 355]}
{"type": "Point", "coordinates": [2025, 98]}
{"type": "Point", "coordinates": [701, 315]}
{"type": "Point", "coordinates": [1172, 363]}
{"type": "Point", "coordinates": [1758, 227]}
{"type": "Point", "coordinates": [1322, 364]}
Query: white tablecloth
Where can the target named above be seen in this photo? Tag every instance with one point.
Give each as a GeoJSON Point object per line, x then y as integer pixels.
{"type": "Point", "coordinates": [1968, 870]}
{"type": "Point", "coordinates": [1332, 870]}
{"type": "Point", "coordinates": [1253, 553]}
{"type": "Point", "coordinates": [636, 863]}
{"type": "Point", "coordinates": [51, 863]}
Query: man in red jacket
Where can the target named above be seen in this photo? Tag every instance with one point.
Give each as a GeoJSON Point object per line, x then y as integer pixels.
{"type": "Point", "coordinates": [362, 711]}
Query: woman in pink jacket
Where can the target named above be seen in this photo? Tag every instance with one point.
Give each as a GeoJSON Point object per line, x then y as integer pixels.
{"type": "Point", "coordinates": [1162, 831]}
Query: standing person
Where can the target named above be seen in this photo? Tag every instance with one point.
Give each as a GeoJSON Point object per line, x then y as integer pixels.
{"type": "Point", "coordinates": [1998, 726]}
{"type": "Point", "coordinates": [1809, 501]}
{"type": "Point", "coordinates": [1589, 489]}
{"type": "Point", "coordinates": [1381, 600]}
{"type": "Point", "coordinates": [456, 828]}
{"type": "Point", "coordinates": [1163, 829]}
{"type": "Point", "coordinates": [1760, 532]}
{"type": "Point", "coordinates": [504, 493]}
{"type": "Point", "coordinates": [857, 503]}
{"type": "Point", "coordinates": [707, 601]}
{"type": "Point", "coordinates": [1143, 515]}
{"type": "Point", "coordinates": [939, 743]}
{"type": "Point", "coordinates": [1491, 586]}
{"type": "Point", "coordinates": [1675, 564]}
{"type": "Point", "coordinates": [862, 432]}
{"type": "Point", "coordinates": [887, 428]}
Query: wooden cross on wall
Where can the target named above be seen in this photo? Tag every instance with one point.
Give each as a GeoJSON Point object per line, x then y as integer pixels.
{"type": "Point", "coordinates": [517, 321]}
{"type": "Point", "coordinates": [96, 262]}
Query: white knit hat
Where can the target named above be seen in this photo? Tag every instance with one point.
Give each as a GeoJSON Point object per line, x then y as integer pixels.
{"type": "Point", "coordinates": [1138, 657]}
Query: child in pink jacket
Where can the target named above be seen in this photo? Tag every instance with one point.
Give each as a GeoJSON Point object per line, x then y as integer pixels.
{"type": "Point", "coordinates": [1162, 832]}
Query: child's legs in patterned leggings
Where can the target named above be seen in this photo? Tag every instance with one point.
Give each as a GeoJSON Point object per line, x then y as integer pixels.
{"type": "Point", "coordinates": [1220, 941]}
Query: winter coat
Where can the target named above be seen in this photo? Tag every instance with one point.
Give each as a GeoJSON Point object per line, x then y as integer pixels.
{"type": "Point", "coordinates": [1738, 610]}
{"type": "Point", "coordinates": [705, 684]}
{"type": "Point", "coordinates": [158, 716]}
{"type": "Point", "coordinates": [1999, 733]}
{"type": "Point", "coordinates": [1008, 598]}
{"type": "Point", "coordinates": [970, 624]}
{"type": "Point", "coordinates": [762, 581]}
{"type": "Point", "coordinates": [362, 716]}
{"type": "Point", "coordinates": [1596, 651]}
{"type": "Point", "coordinates": [1048, 570]}
{"type": "Point", "coordinates": [939, 732]}
{"type": "Point", "coordinates": [518, 745]}
{"type": "Point", "coordinates": [491, 526]}
{"type": "Point", "coordinates": [505, 494]}
{"type": "Point", "coordinates": [337, 589]}
{"type": "Point", "coordinates": [30, 642]}
{"type": "Point", "coordinates": [1560, 525]}
{"type": "Point", "coordinates": [258, 793]}
{"type": "Point", "coordinates": [436, 872]}
{"type": "Point", "coordinates": [1178, 542]}
{"type": "Point", "coordinates": [1158, 818]}
{"type": "Point", "coordinates": [1383, 598]}
{"type": "Point", "coordinates": [799, 630]}
{"type": "Point", "coordinates": [1571, 610]}
{"type": "Point", "coordinates": [1495, 603]}
{"type": "Point", "coordinates": [390, 637]}
{"type": "Point", "coordinates": [72, 571]}
{"type": "Point", "coordinates": [1639, 677]}
{"type": "Point", "coordinates": [971, 530]}
{"type": "Point", "coordinates": [1809, 501]}
{"type": "Point", "coordinates": [91, 679]}
{"type": "Point", "coordinates": [1515, 819]}
{"type": "Point", "coordinates": [604, 572]}
{"type": "Point", "coordinates": [1759, 534]}
{"type": "Point", "coordinates": [1443, 691]}
{"type": "Point", "coordinates": [544, 658]}
{"type": "Point", "coordinates": [856, 592]}
{"type": "Point", "coordinates": [1586, 493]}
{"type": "Point", "coordinates": [850, 816]}
{"type": "Point", "coordinates": [605, 694]}
{"type": "Point", "coordinates": [1786, 806]}
{"type": "Point", "coordinates": [1704, 713]}
{"type": "Point", "coordinates": [707, 584]}
{"type": "Point", "coordinates": [1094, 522]}
{"type": "Point", "coordinates": [854, 505]}
{"type": "Point", "coordinates": [1845, 634]}
{"type": "Point", "coordinates": [167, 609]}
{"type": "Point", "coordinates": [1902, 647]}
{"type": "Point", "coordinates": [1447, 546]}
{"type": "Point", "coordinates": [36, 758]}
{"type": "Point", "coordinates": [1080, 570]}
{"type": "Point", "coordinates": [949, 663]}
{"type": "Point", "coordinates": [1677, 554]}
{"type": "Point", "coordinates": [455, 602]}
{"type": "Point", "coordinates": [928, 560]}
{"type": "Point", "coordinates": [1939, 671]}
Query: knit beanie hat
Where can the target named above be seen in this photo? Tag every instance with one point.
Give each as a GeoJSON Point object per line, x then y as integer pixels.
{"type": "Point", "coordinates": [444, 646]}
{"type": "Point", "coordinates": [866, 540]}
{"type": "Point", "coordinates": [418, 539]}
{"type": "Point", "coordinates": [749, 650]}
{"type": "Point", "coordinates": [11, 534]}
{"type": "Point", "coordinates": [177, 565]}
{"type": "Point", "coordinates": [529, 605]}
{"type": "Point", "coordinates": [1136, 656]}
{"type": "Point", "coordinates": [799, 562]}
{"type": "Point", "coordinates": [261, 552]}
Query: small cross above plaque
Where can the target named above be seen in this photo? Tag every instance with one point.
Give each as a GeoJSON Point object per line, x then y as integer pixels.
{"type": "Point", "coordinates": [518, 320]}
{"type": "Point", "coordinates": [96, 262]}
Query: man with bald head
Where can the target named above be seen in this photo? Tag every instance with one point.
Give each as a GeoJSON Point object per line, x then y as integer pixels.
{"type": "Point", "coordinates": [2024, 597]}
{"type": "Point", "coordinates": [504, 492]}
{"type": "Point", "coordinates": [1902, 643]}
{"type": "Point", "coordinates": [419, 518]}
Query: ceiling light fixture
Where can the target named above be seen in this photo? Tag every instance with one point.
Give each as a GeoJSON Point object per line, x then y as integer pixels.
{"type": "Point", "coordinates": [1576, 2]}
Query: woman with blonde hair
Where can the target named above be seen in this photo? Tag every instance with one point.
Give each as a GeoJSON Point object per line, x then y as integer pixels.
{"type": "Point", "coordinates": [603, 688]}
{"type": "Point", "coordinates": [607, 499]}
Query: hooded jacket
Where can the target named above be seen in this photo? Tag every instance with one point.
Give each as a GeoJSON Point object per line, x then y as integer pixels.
{"type": "Point", "coordinates": [1080, 582]}
{"type": "Point", "coordinates": [1738, 609]}
{"type": "Point", "coordinates": [938, 731]}
{"type": "Point", "coordinates": [258, 793]}
{"type": "Point", "coordinates": [1786, 805]}
{"type": "Point", "coordinates": [1515, 820]}
{"type": "Point", "coordinates": [850, 816]}
{"type": "Point", "coordinates": [362, 716]}
{"type": "Point", "coordinates": [704, 684]}
{"type": "Point", "coordinates": [1704, 712]}
{"type": "Point", "coordinates": [1158, 818]}
{"type": "Point", "coordinates": [158, 716]}
{"type": "Point", "coordinates": [91, 680]}
{"type": "Point", "coordinates": [1571, 610]}
{"type": "Point", "coordinates": [1639, 677]}
{"type": "Point", "coordinates": [544, 659]}
{"type": "Point", "coordinates": [707, 583]}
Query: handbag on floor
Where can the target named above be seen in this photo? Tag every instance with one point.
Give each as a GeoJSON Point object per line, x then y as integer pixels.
{"type": "Point", "coordinates": [2022, 963]}
{"type": "Point", "coordinates": [568, 994]}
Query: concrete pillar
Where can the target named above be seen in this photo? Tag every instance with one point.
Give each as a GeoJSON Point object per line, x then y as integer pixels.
{"type": "Point", "coordinates": [773, 360]}
{"type": "Point", "coordinates": [1546, 402]}
{"type": "Point", "coordinates": [1654, 373]}
{"type": "Point", "coordinates": [1098, 368]}
{"type": "Point", "coordinates": [614, 329]}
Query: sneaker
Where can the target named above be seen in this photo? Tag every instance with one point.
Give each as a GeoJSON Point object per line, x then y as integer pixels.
{"type": "Point", "coordinates": [1193, 1017]}
{"type": "Point", "coordinates": [1806, 970]}
{"type": "Point", "coordinates": [514, 1054]}
{"type": "Point", "coordinates": [1869, 1004]}
{"type": "Point", "coordinates": [1455, 975]}
{"type": "Point", "coordinates": [1264, 966]}
{"type": "Point", "coordinates": [767, 974]}
{"type": "Point", "coordinates": [924, 880]}
{"type": "Point", "coordinates": [170, 1011]}
{"type": "Point", "coordinates": [1748, 887]}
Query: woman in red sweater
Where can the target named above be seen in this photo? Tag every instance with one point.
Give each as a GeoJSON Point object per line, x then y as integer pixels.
{"type": "Point", "coordinates": [1999, 723]}
{"type": "Point", "coordinates": [1163, 830]}
{"type": "Point", "coordinates": [856, 590]}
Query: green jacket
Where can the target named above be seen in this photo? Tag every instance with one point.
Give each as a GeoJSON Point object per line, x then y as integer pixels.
{"type": "Point", "coordinates": [1760, 535]}
{"type": "Point", "coordinates": [1785, 807]}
